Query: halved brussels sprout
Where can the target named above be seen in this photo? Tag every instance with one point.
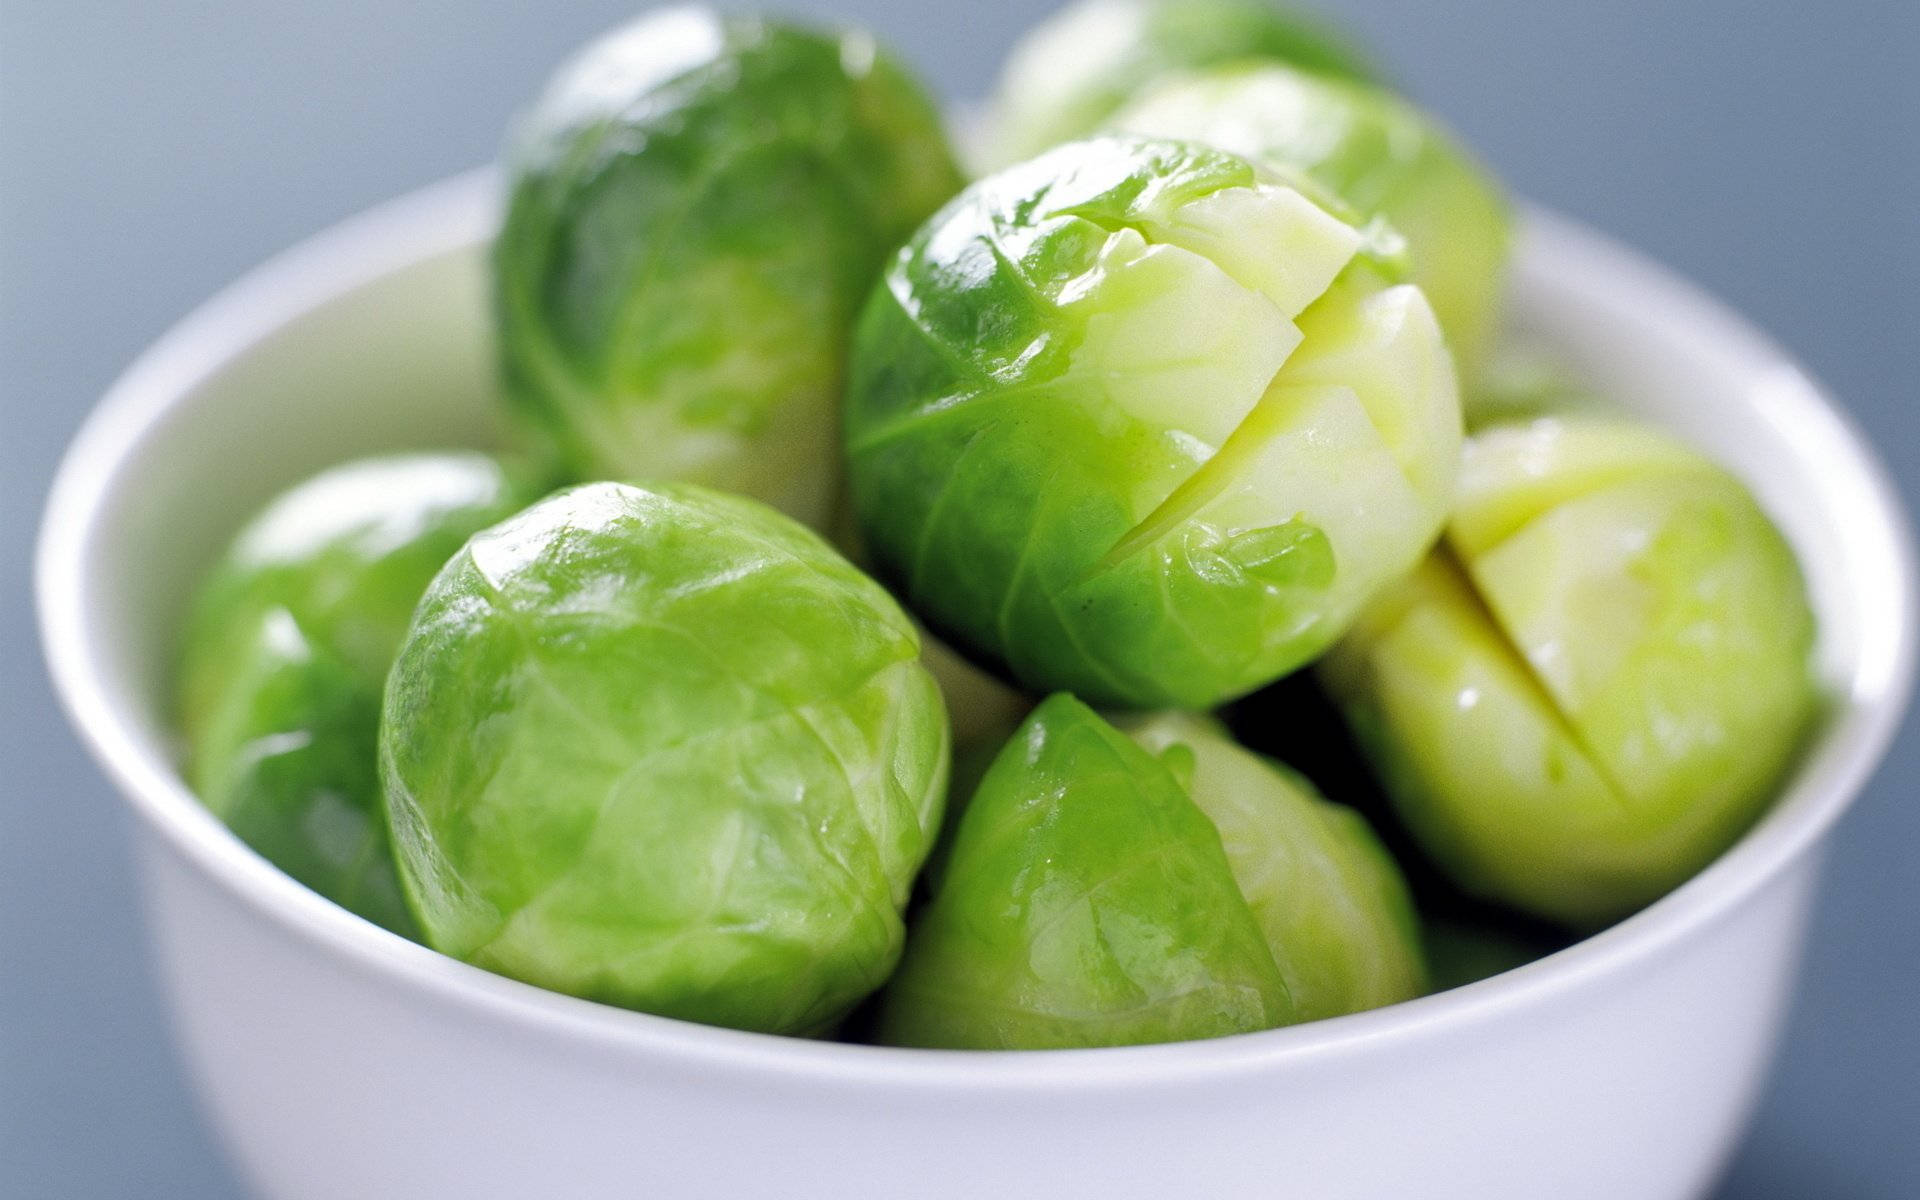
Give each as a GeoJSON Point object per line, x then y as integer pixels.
{"type": "Point", "coordinates": [1085, 901]}
{"type": "Point", "coordinates": [664, 748]}
{"type": "Point", "coordinates": [699, 204]}
{"type": "Point", "coordinates": [1375, 151]}
{"type": "Point", "coordinates": [1329, 899]}
{"type": "Point", "coordinates": [1143, 424]}
{"type": "Point", "coordinates": [1070, 73]}
{"type": "Point", "coordinates": [1100, 891]}
{"type": "Point", "coordinates": [1591, 690]}
{"type": "Point", "coordinates": [287, 652]}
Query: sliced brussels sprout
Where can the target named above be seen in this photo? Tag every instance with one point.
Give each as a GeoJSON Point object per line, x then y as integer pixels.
{"type": "Point", "coordinates": [698, 205]}
{"type": "Point", "coordinates": [1331, 902]}
{"type": "Point", "coordinates": [1086, 901]}
{"type": "Point", "coordinates": [1379, 154]}
{"type": "Point", "coordinates": [287, 651]}
{"type": "Point", "coordinates": [1137, 422]}
{"type": "Point", "coordinates": [1069, 74]}
{"type": "Point", "coordinates": [1591, 691]}
{"type": "Point", "coordinates": [664, 748]}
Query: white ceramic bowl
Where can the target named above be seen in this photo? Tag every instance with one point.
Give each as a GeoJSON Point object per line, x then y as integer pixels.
{"type": "Point", "coordinates": [338, 1060]}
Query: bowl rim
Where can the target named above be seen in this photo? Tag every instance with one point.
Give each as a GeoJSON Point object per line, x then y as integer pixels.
{"type": "Point", "coordinates": [462, 210]}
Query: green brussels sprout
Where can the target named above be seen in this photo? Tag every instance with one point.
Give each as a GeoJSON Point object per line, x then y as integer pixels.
{"type": "Point", "coordinates": [699, 204]}
{"type": "Point", "coordinates": [287, 651]}
{"type": "Point", "coordinates": [1379, 154]}
{"type": "Point", "coordinates": [664, 748]}
{"type": "Point", "coordinates": [1101, 889]}
{"type": "Point", "coordinates": [1329, 899]}
{"type": "Point", "coordinates": [1592, 689]}
{"type": "Point", "coordinates": [1139, 423]}
{"type": "Point", "coordinates": [1085, 901]}
{"type": "Point", "coordinates": [1069, 74]}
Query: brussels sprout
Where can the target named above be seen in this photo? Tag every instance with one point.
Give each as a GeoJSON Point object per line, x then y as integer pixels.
{"type": "Point", "coordinates": [1331, 903]}
{"type": "Point", "coordinates": [288, 649]}
{"type": "Point", "coordinates": [664, 748]}
{"type": "Point", "coordinates": [1141, 424]}
{"type": "Point", "coordinates": [699, 204]}
{"type": "Point", "coordinates": [1377, 153]}
{"type": "Point", "coordinates": [1590, 691]}
{"type": "Point", "coordinates": [1105, 891]}
{"type": "Point", "coordinates": [1086, 902]}
{"type": "Point", "coordinates": [1068, 75]}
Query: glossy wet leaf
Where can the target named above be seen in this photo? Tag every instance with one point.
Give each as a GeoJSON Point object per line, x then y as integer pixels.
{"type": "Point", "coordinates": [1086, 901]}
{"type": "Point", "coordinates": [1330, 901]}
{"type": "Point", "coordinates": [664, 748]}
{"type": "Point", "coordinates": [1137, 421]}
{"type": "Point", "coordinates": [698, 205]}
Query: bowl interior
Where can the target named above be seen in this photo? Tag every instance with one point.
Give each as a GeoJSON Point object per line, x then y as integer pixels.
{"type": "Point", "coordinates": [375, 336]}
{"type": "Point", "coordinates": [357, 342]}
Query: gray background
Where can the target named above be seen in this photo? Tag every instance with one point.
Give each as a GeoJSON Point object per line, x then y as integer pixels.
{"type": "Point", "coordinates": [151, 151]}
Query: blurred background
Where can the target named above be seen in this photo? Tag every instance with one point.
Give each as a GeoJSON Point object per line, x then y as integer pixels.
{"type": "Point", "coordinates": [149, 152]}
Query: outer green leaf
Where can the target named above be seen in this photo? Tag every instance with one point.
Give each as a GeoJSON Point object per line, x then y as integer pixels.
{"type": "Point", "coordinates": [1140, 423]}
{"type": "Point", "coordinates": [1069, 74]}
{"type": "Point", "coordinates": [699, 203]}
{"type": "Point", "coordinates": [1379, 154]}
{"type": "Point", "coordinates": [664, 748]}
{"type": "Point", "coordinates": [1335, 911]}
{"type": "Point", "coordinates": [1086, 902]}
{"type": "Point", "coordinates": [288, 650]}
